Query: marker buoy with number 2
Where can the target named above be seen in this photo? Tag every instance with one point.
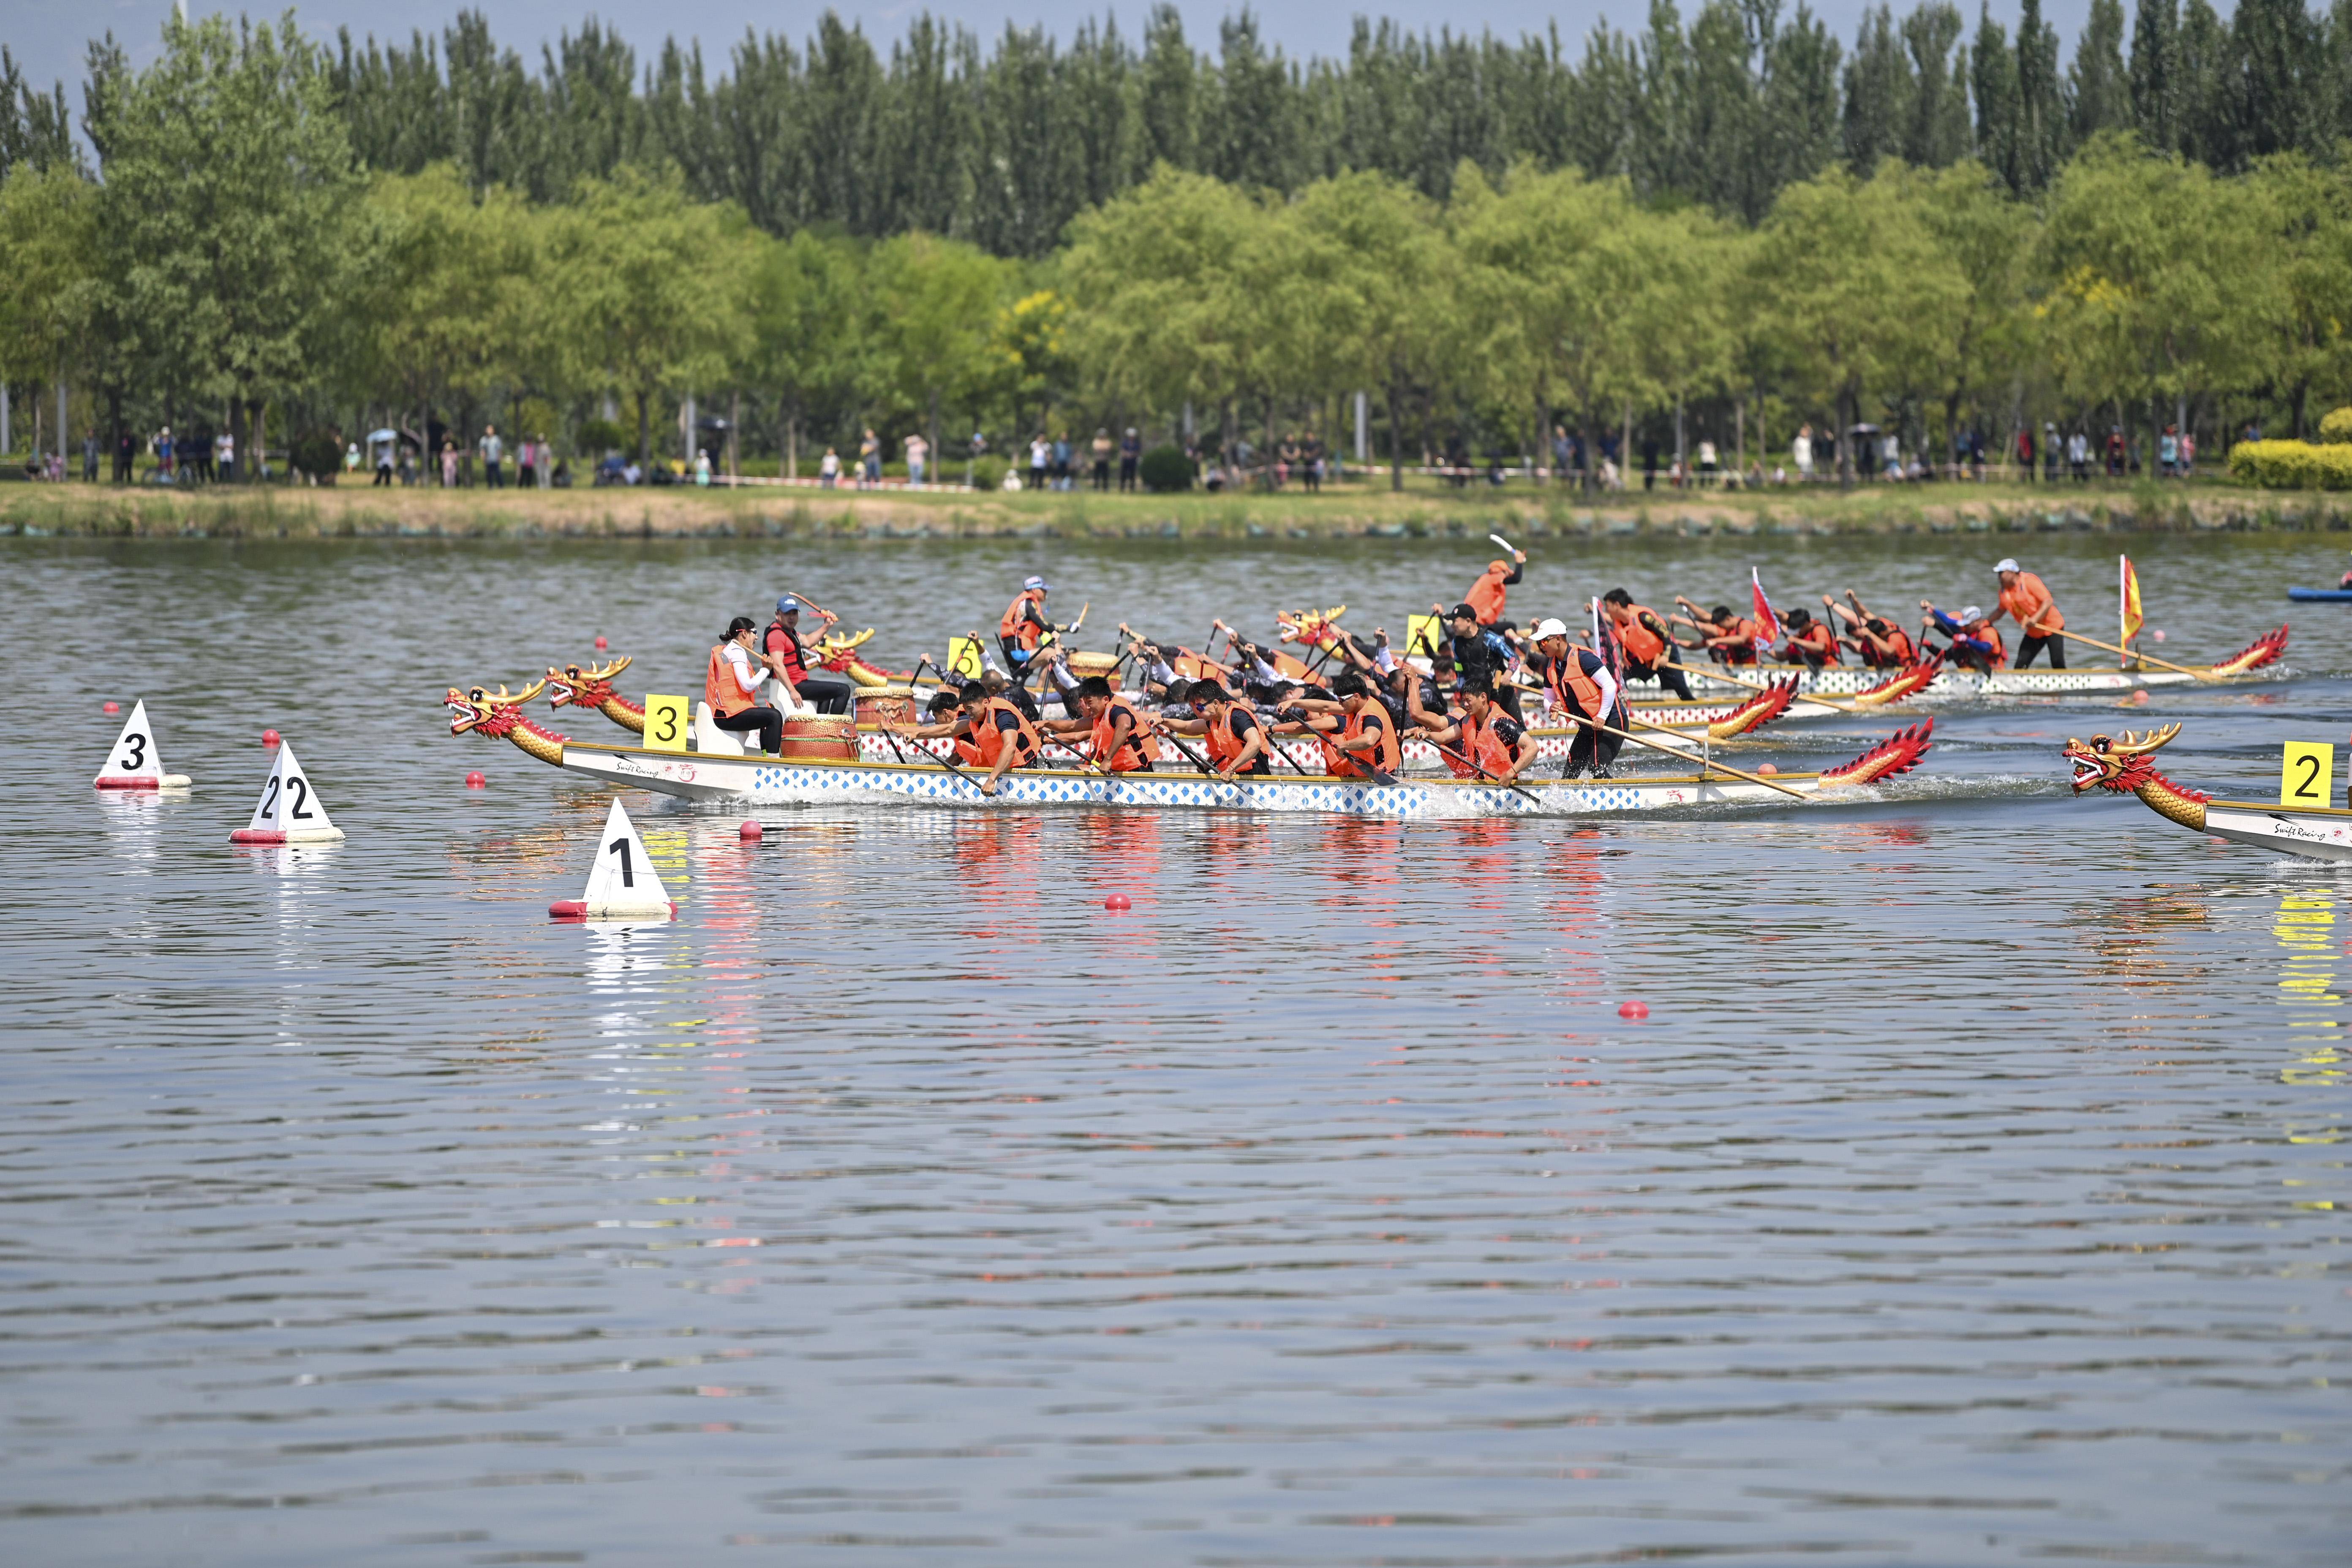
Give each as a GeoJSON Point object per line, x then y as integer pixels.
{"type": "Point", "coordinates": [622, 885]}
{"type": "Point", "coordinates": [289, 812]}
{"type": "Point", "coordinates": [134, 763]}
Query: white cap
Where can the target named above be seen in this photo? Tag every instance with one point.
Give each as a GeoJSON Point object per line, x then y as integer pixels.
{"type": "Point", "coordinates": [1970, 614]}
{"type": "Point", "coordinates": [2008, 563]}
{"type": "Point", "coordinates": [1553, 627]}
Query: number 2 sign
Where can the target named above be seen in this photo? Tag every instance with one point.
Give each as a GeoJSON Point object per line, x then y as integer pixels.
{"type": "Point", "coordinates": [2307, 775]}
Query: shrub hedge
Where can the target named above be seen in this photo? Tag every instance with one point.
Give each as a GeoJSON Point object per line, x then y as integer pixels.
{"type": "Point", "coordinates": [1164, 469]}
{"type": "Point", "coordinates": [2337, 425]}
{"type": "Point", "coordinates": [2292, 465]}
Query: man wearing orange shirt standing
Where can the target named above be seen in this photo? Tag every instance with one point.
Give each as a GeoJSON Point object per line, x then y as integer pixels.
{"type": "Point", "coordinates": [2025, 597]}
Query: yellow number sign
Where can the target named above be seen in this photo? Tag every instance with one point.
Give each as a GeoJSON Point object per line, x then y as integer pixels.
{"type": "Point", "coordinates": [1424, 635]}
{"type": "Point", "coordinates": [666, 726]}
{"type": "Point", "coordinates": [2307, 775]}
{"type": "Point", "coordinates": [963, 658]}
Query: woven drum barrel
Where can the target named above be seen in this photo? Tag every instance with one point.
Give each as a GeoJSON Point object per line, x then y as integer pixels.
{"type": "Point", "coordinates": [1085, 664]}
{"type": "Point", "coordinates": [829, 737]}
{"type": "Point", "coordinates": [873, 709]}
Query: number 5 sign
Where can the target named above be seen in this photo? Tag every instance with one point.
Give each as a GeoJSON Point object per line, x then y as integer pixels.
{"type": "Point", "coordinates": [2307, 775]}
{"type": "Point", "coordinates": [665, 725]}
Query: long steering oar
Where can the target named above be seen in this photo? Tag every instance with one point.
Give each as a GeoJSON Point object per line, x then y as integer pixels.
{"type": "Point", "coordinates": [1677, 751]}
{"type": "Point", "coordinates": [2143, 657]}
{"type": "Point", "coordinates": [1711, 673]}
{"type": "Point", "coordinates": [1473, 762]}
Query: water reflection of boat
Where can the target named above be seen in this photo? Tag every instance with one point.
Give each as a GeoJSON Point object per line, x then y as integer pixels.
{"type": "Point", "coordinates": [2121, 765]}
{"type": "Point", "coordinates": [762, 781]}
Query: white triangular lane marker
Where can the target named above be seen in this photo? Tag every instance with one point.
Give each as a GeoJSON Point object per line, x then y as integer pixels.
{"type": "Point", "coordinates": [288, 811]}
{"type": "Point", "coordinates": [134, 763]}
{"type": "Point", "coordinates": [622, 884]}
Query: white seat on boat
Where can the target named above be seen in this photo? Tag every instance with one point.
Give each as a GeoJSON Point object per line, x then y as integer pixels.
{"type": "Point", "coordinates": [708, 738]}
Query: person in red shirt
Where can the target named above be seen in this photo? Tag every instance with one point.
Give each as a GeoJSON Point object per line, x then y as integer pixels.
{"type": "Point", "coordinates": [783, 652]}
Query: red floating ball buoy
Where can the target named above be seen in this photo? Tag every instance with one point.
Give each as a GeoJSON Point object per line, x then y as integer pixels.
{"type": "Point", "coordinates": [1767, 768]}
{"type": "Point", "coordinates": [1117, 903]}
{"type": "Point", "coordinates": [477, 780]}
{"type": "Point", "coordinates": [1635, 1011]}
{"type": "Point", "coordinates": [2159, 634]}
{"type": "Point", "coordinates": [749, 833]}
{"type": "Point", "coordinates": [600, 645]}
{"type": "Point", "coordinates": [269, 737]}
{"type": "Point", "coordinates": [111, 707]}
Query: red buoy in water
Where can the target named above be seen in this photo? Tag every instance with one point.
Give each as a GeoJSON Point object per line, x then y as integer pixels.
{"type": "Point", "coordinates": [1633, 1011]}
{"type": "Point", "coordinates": [111, 707]}
{"type": "Point", "coordinates": [269, 737]}
{"type": "Point", "coordinates": [1118, 903]}
{"type": "Point", "coordinates": [477, 780]}
{"type": "Point", "coordinates": [1767, 768]}
{"type": "Point", "coordinates": [749, 833]}
{"type": "Point", "coordinates": [600, 645]}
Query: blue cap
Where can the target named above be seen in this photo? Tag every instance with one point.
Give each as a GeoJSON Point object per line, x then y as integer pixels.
{"type": "Point", "coordinates": [1036, 582]}
{"type": "Point", "coordinates": [788, 605]}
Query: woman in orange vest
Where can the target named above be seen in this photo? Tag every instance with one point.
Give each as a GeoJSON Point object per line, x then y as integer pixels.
{"type": "Point", "coordinates": [1489, 594]}
{"type": "Point", "coordinates": [995, 735]}
{"type": "Point", "coordinates": [2026, 598]}
{"type": "Point", "coordinates": [1649, 645]}
{"type": "Point", "coordinates": [731, 683]}
{"type": "Point", "coordinates": [1118, 740]}
{"type": "Point", "coordinates": [1021, 630]}
{"type": "Point", "coordinates": [1809, 641]}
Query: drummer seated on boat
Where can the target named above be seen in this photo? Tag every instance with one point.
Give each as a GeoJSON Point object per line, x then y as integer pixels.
{"type": "Point", "coordinates": [1118, 740]}
{"type": "Point", "coordinates": [785, 654]}
{"type": "Point", "coordinates": [1649, 643]}
{"type": "Point", "coordinates": [1975, 641]}
{"type": "Point", "coordinates": [994, 734]}
{"type": "Point", "coordinates": [1483, 741]}
{"type": "Point", "coordinates": [2025, 598]}
{"type": "Point", "coordinates": [1810, 642]}
{"type": "Point", "coordinates": [1880, 643]}
{"type": "Point", "coordinates": [732, 684]}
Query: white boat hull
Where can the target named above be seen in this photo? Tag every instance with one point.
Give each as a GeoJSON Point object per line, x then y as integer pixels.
{"type": "Point", "coordinates": [753, 781]}
{"type": "Point", "coordinates": [1963, 684]}
{"type": "Point", "coordinates": [2315, 835]}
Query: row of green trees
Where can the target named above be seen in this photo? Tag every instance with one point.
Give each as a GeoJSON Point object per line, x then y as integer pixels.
{"type": "Point", "coordinates": [233, 251]}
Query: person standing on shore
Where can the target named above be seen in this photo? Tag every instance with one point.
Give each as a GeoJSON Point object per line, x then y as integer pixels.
{"type": "Point", "coordinates": [448, 464]}
{"type": "Point", "coordinates": [919, 458]}
{"type": "Point", "coordinates": [494, 453]}
{"type": "Point", "coordinates": [1130, 456]}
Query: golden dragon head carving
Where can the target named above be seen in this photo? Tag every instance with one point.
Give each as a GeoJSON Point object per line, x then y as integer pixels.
{"type": "Point", "coordinates": [487, 712]}
{"type": "Point", "coordinates": [2104, 761]}
{"type": "Point", "coordinates": [582, 685]}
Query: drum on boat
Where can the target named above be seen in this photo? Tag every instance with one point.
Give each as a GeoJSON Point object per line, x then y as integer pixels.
{"type": "Point", "coordinates": [885, 708]}
{"type": "Point", "coordinates": [1085, 664]}
{"type": "Point", "coordinates": [828, 737]}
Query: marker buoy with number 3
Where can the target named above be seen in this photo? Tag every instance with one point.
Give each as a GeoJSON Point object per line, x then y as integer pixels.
{"type": "Point", "coordinates": [622, 885]}
{"type": "Point", "coordinates": [135, 763]}
{"type": "Point", "coordinates": [288, 811]}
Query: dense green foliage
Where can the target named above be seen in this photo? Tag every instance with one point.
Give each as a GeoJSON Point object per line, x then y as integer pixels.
{"type": "Point", "coordinates": [2292, 465]}
{"type": "Point", "coordinates": [1705, 232]}
{"type": "Point", "coordinates": [1164, 469]}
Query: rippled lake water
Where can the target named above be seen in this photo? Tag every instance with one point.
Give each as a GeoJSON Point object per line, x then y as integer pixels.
{"type": "Point", "coordinates": [1974, 1192]}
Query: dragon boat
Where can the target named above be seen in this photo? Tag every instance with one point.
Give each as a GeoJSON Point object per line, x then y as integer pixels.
{"type": "Point", "coordinates": [712, 778]}
{"type": "Point", "coordinates": [2123, 764]}
{"type": "Point", "coordinates": [1833, 680]}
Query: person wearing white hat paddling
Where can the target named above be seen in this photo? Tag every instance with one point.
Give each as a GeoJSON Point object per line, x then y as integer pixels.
{"type": "Point", "coordinates": [1975, 641]}
{"type": "Point", "coordinates": [2025, 599]}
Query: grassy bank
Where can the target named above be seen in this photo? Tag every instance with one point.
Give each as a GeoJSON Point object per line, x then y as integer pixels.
{"type": "Point", "coordinates": [344, 511]}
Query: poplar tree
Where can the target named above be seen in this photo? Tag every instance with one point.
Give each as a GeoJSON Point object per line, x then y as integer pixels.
{"type": "Point", "coordinates": [2156, 74]}
{"type": "Point", "coordinates": [2099, 92]}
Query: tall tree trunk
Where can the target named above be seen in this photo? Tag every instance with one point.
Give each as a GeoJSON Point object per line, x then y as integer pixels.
{"type": "Point", "coordinates": [114, 432]}
{"type": "Point", "coordinates": [1396, 437]}
{"type": "Point", "coordinates": [1846, 402]}
{"type": "Point", "coordinates": [734, 432]}
{"type": "Point", "coordinates": [644, 429]}
{"type": "Point", "coordinates": [937, 452]}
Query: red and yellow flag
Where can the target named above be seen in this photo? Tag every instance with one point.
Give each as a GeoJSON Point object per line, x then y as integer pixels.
{"type": "Point", "coordinates": [2128, 588]}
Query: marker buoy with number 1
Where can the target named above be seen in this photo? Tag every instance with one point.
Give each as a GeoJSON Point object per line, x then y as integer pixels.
{"type": "Point", "coordinates": [134, 763]}
{"type": "Point", "coordinates": [622, 885]}
{"type": "Point", "coordinates": [287, 812]}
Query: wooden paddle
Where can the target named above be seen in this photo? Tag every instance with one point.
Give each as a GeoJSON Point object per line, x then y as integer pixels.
{"type": "Point", "coordinates": [1201, 762]}
{"type": "Point", "coordinates": [1473, 762]}
{"type": "Point", "coordinates": [1704, 761]}
{"type": "Point", "coordinates": [2143, 657]}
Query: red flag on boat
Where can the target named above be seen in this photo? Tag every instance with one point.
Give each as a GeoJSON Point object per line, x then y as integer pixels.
{"type": "Point", "coordinates": [2127, 586]}
{"type": "Point", "coordinates": [1767, 624]}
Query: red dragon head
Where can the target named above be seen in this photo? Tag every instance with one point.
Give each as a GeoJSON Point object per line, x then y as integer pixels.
{"type": "Point", "coordinates": [1315, 629]}
{"type": "Point", "coordinates": [487, 713]}
{"type": "Point", "coordinates": [2122, 765]}
{"type": "Point", "coordinates": [576, 687]}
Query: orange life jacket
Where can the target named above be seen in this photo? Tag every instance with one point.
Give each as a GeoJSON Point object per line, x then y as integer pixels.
{"type": "Point", "coordinates": [1138, 751]}
{"type": "Point", "coordinates": [1641, 645]}
{"type": "Point", "coordinates": [2027, 597]}
{"type": "Point", "coordinates": [721, 689]}
{"type": "Point", "coordinates": [1225, 745]}
{"type": "Point", "coordinates": [1018, 627]}
{"type": "Point", "coordinates": [1905, 651]}
{"type": "Point", "coordinates": [1487, 594]}
{"type": "Point", "coordinates": [1483, 746]}
{"type": "Point", "coordinates": [1384, 753]}
{"type": "Point", "coordinates": [1452, 754]}
{"type": "Point", "coordinates": [1573, 690]}
{"type": "Point", "coordinates": [1991, 634]}
{"type": "Point", "coordinates": [987, 739]}
{"type": "Point", "coordinates": [1742, 648]}
{"type": "Point", "coordinates": [1819, 639]}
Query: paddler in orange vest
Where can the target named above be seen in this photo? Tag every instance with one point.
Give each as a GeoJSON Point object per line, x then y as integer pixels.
{"type": "Point", "coordinates": [1023, 628]}
{"type": "Point", "coordinates": [1489, 593]}
{"type": "Point", "coordinates": [730, 684]}
{"type": "Point", "coordinates": [1364, 743]}
{"type": "Point", "coordinates": [1485, 742]}
{"type": "Point", "coordinates": [2025, 597]}
{"type": "Point", "coordinates": [1727, 638]}
{"type": "Point", "coordinates": [1118, 741]}
{"type": "Point", "coordinates": [1237, 740]}
{"type": "Point", "coordinates": [1975, 642]}
{"type": "Point", "coordinates": [1581, 687]}
{"type": "Point", "coordinates": [1810, 642]}
{"type": "Point", "coordinates": [1880, 643]}
{"type": "Point", "coordinates": [1649, 644]}
{"type": "Point", "coordinates": [995, 735]}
